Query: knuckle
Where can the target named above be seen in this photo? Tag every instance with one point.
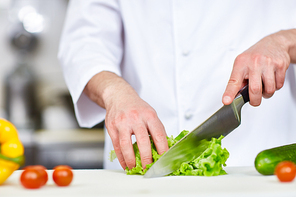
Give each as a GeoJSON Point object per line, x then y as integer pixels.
{"type": "Point", "coordinates": [241, 58]}
{"type": "Point", "coordinates": [146, 155]}
{"type": "Point", "coordinates": [114, 121]}
{"type": "Point", "coordinates": [257, 57]}
{"type": "Point", "coordinates": [112, 133]}
{"type": "Point", "coordinates": [258, 61]}
{"type": "Point", "coordinates": [151, 114]}
{"type": "Point", "coordinates": [143, 140]}
{"type": "Point", "coordinates": [255, 89]}
{"type": "Point", "coordinates": [233, 81]}
{"type": "Point", "coordinates": [265, 58]}
{"type": "Point", "coordinates": [279, 63]}
{"type": "Point", "coordinates": [159, 137]}
{"type": "Point", "coordinates": [117, 149]}
{"type": "Point", "coordinates": [146, 159]}
{"type": "Point", "coordinates": [142, 137]}
{"type": "Point", "coordinates": [121, 117]}
{"type": "Point", "coordinates": [114, 137]}
{"type": "Point", "coordinates": [269, 90]}
{"type": "Point", "coordinates": [124, 142]}
{"type": "Point", "coordinates": [110, 124]}
{"type": "Point", "coordinates": [134, 114]}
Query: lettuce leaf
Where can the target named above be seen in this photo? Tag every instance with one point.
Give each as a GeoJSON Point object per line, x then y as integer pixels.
{"type": "Point", "coordinates": [209, 163]}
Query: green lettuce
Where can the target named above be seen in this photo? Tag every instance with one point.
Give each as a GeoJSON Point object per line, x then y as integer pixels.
{"type": "Point", "coordinates": [209, 163]}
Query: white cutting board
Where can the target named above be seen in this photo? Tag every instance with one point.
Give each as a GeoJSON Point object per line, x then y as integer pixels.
{"type": "Point", "coordinates": [240, 182]}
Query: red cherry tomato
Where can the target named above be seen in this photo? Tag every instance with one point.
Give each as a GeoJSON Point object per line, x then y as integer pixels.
{"type": "Point", "coordinates": [31, 179]}
{"type": "Point", "coordinates": [285, 171]}
{"type": "Point", "coordinates": [62, 175]}
{"type": "Point", "coordinates": [42, 171]}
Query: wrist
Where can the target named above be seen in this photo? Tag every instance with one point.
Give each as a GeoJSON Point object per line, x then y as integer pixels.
{"type": "Point", "coordinates": [105, 88]}
{"type": "Point", "coordinates": [287, 38]}
{"type": "Point", "coordinates": [97, 87]}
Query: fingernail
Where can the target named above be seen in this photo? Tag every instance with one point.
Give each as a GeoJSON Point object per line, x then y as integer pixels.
{"type": "Point", "coordinates": [227, 99]}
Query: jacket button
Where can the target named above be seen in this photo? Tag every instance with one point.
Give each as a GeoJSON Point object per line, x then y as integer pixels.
{"type": "Point", "coordinates": [185, 52]}
{"type": "Point", "coordinates": [188, 116]}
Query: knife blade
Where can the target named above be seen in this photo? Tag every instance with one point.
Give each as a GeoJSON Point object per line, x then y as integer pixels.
{"type": "Point", "coordinates": [191, 146]}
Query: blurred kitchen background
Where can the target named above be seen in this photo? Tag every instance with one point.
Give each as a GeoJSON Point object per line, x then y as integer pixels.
{"type": "Point", "coordinates": [34, 96]}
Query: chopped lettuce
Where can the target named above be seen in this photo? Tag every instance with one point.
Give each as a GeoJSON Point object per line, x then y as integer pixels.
{"type": "Point", "coordinates": [209, 163]}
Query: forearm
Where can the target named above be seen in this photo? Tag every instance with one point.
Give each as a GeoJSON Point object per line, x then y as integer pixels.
{"type": "Point", "coordinates": [106, 87]}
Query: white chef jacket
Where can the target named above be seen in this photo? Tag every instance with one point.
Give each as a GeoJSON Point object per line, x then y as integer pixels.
{"type": "Point", "coordinates": [178, 55]}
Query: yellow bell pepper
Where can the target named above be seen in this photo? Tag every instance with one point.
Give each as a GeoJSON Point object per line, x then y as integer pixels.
{"type": "Point", "coordinates": [11, 150]}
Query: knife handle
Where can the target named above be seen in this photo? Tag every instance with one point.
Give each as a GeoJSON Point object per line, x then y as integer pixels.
{"type": "Point", "coordinates": [245, 93]}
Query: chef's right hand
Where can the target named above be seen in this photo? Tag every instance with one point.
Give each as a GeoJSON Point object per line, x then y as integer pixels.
{"type": "Point", "coordinates": [127, 115]}
{"type": "Point", "coordinates": [262, 65]}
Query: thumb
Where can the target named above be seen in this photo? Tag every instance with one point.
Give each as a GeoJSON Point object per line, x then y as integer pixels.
{"type": "Point", "coordinates": [235, 83]}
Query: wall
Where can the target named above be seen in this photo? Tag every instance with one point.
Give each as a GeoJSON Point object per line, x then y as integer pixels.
{"type": "Point", "coordinates": [43, 61]}
{"type": "Point", "coordinates": [58, 140]}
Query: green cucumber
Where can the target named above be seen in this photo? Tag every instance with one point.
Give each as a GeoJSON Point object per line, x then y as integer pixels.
{"type": "Point", "coordinates": [267, 160]}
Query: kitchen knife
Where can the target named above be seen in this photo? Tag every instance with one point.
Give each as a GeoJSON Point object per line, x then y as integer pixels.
{"type": "Point", "coordinates": [191, 146]}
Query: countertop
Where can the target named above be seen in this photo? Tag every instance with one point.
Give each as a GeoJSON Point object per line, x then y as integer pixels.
{"type": "Point", "coordinates": [53, 137]}
{"type": "Point", "coordinates": [240, 181]}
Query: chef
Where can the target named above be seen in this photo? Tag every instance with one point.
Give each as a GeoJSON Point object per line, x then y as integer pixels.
{"type": "Point", "coordinates": [159, 67]}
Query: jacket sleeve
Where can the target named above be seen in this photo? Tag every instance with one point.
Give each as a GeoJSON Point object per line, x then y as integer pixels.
{"type": "Point", "coordinates": [91, 42]}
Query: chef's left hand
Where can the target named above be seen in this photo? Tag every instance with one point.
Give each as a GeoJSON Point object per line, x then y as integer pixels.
{"type": "Point", "coordinates": [263, 66]}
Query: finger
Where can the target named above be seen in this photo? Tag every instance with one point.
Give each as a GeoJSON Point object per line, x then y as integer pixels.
{"type": "Point", "coordinates": [255, 87]}
{"type": "Point", "coordinates": [279, 79]}
{"type": "Point", "coordinates": [158, 134]}
{"type": "Point", "coordinates": [115, 141]}
{"type": "Point", "coordinates": [268, 79]}
{"type": "Point", "coordinates": [126, 148]}
{"type": "Point", "coordinates": [235, 82]}
{"type": "Point", "coordinates": [144, 145]}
